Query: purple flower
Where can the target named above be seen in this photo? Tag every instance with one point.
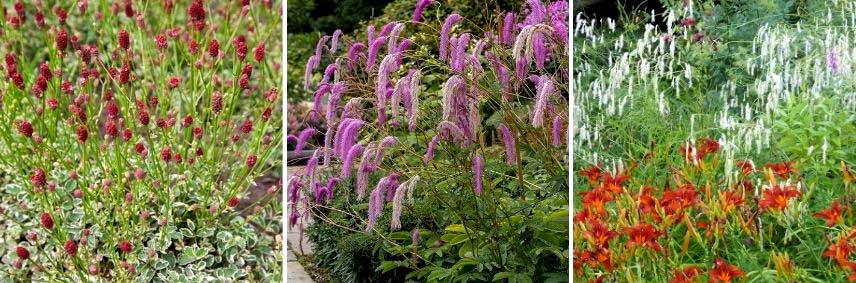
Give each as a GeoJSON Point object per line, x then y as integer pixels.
{"type": "Point", "coordinates": [386, 142]}
{"type": "Point", "coordinates": [336, 91]}
{"type": "Point", "coordinates": [321, 193]}
{"type": "Point", "coordinates": [290, 139]}
{"type": "Point", "coordinates": [420, 7]}
{"type": "Point", "coordinates": [392, 42]}
{"type": "Point", "coordinates": [559, 19]}
{"type": "Point", "coordinates": [451, 20]}
{"type": "Point", "coordinates": [302, 137]}
{"type": "Point", "coordinates": [331, 185]}
{"type": "Point", "coordinates": [522, 68]}
{"type": "Point", "coordinates": [328, 73]}
{"type": "Point", "coordinates": [413, 107]}
{"type": "Point", "coordinates": [346, 135]}
{"type": "Point", "coordinates": [387, 28]}
{"type": "Point", "coordinates": [429, 154]}
{"type": "Point", "coordinates": [335, 42]}
{"type": "Point", "coordinates": [294, 186]}
{"type": "Point", "coordinates": [450, 131]}
{"type": "Point", "coordinates": [509, 26]}
{"type": "Point", "coordinates": [544, 90]}
{"type": "Point", "coordinates": [370, 34]}
{"type": "Point", "coordinates": [832, 61]}
{"type": "Point", "coordinates": [293, 219]}
{"type": "Point", "coordinates": [328, 143]}
{"type": "Point", "coordinates": [391, 186]}
{"type": "Point", "coordinates": [403, 46]}
{"type": "Point", "coordinates": [375, 207]}
{"type": "Point", "coordinates": [352, 109]}
{"type": "Point", "coordinates": [374, 48]}
{"type": "Point", "coordinates": [310, 168]}
{"type": "Point", "coordinates": [539, 47]}
{"type": "Point", "coordinates": [354, 55]}
{"type": "Point", "coordinates": [459, 49]}
{"type": "Point", "coordinates": [364, 169]}
{"type": "Point", "coordinates": [319, 46]}
{"type": "Point", "coordinates": [537, 13]}
{"type": "Point", "coordinates": [557, 131]}
{"type": "Point", "coordinates": [502, 74]}
{"type": "Point", "coordinates": [311, 64]}
{"type": "Point", "coordinates": [316, 106]}
{"type": "Point", "coordinates": [478, 167]}
{"type": "Point", "coordinates": [347, 164]}
{"type": "Point", "coordinates": [508, 142]}
{"type": "Point", "coordinates": [405, 188]}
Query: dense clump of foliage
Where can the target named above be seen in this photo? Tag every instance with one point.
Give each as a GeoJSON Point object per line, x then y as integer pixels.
{"type": "Point", "coordinates": [444, 153]}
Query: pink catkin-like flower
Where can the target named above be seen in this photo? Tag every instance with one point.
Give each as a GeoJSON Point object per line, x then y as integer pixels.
{"type": "Point", "coordinates": [392, 41]}
{"type": "Point", "coordinates": [354, 55]}
{"type": "Point", "coordinates": [420, 8]}
{"type": "Point", "coordinates": [328, 74]}
{"type": "Point", "coordinates": [509, 26]}
{"type": "Point", "coordinates": [544, 90]}
{"type": "Point", "coordinates": [556, 132]}
{"type": "Point", "coordinates": [319, 47]}
{"type": "Point", "coordinates": [429, 154]}
{"type": "Point", "coordinates": [346, 136]}
{"type": "Point", "coordinates": [451, 20]}
{"type": "Point", "coordinates": [374, 49]}
{"type": "Point", "coordinates": [364, 169]}
{"type": "Point", "coordinates": [537, 13]}
{"type": "Point", "coordinates": [458, 56]}
{"type": "Point", "coordinates": [310, 169]}
{"type": "Point", "coordinates": [478, 168]}
{"type": "Point", "coordinates": [508, 142]}
{"type": "Point", "coordinates": [395, 219]}
{"type": "Point", "coordinates": [412, 108]}
{"type": "Point", "coordinates": [334, 43]}
{"type": "Point", "coordinates": [328, 143]}
{"type": "Point", "coordinates": [386, 29]}
{"type": "Point", "coordinates": [375, 209]}
{"type": "Point", "coordinates": [348, 162]}
{"type": "Point", "coordinates": [316, 105]}
{"type": "Point", "coordinates": [370, 34]}
{"type": "Point", "coordinates": [304, 135]}
{"type": "Point", "coordinates": [311, 64]}
{"type": "Point", "coordinates": [539, 48]}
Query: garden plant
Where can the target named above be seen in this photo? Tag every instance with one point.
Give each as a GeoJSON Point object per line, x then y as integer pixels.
{"type": "Point", "coordinates": [140, 141]}
{"type": "Point", "coordinates": [443, 151]}
{"type": "Point", "coordinates": [715, 141]}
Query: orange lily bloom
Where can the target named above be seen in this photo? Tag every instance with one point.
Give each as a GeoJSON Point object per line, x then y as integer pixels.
{"type": "Point", "coordinates": [782, 169]}
{"type": "Point", "coordinates": [614, 184]}
{"type": "Point", "coordinates": [592, 174]}
{"type": "Point", "coordinates": [686, 275]}
{"type": "Point", "coordinates": [777, 197]}
{"type": "Point", "coordinates": [746, 167]}
{"type": "Point", "coordinates": [599, 235]}
{"type": "Point", "coordinates": [839, 251]}
{"type": "Point", "coordinates": [643, 235]}
{"type": "Point", "coordinates": [724, 272]}
{"type": "Point", "coordinates": [596, 199]}
{"type": "Point", "coordinates": [832, 215]}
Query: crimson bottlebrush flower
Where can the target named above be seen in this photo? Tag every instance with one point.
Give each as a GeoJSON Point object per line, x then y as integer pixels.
{"type": "Point", "coordinates": [82, 134]}
{"type": "Point", "coordinates": [420, 8]}
{"type": "Point", "coordinates": [47, 221]}
{"type": "Point", "coordinates": [244, 81]}
{"type": "Point", "coordinates": [241, 50]}
{"type": "Point", "coordinates": [25, 128]}
{"type": "Point", "coordinates": [450, 21]}
{"type": "Point", "coordinates": [599, 234]}
{"type": "Point", "coordinates": [197, 132]}
{"type": "Point", "coordinates": [251, 161]}
{"type": "Point", "coordinates": [144, 118]}
{"type": "Point", "coordinates": [166, 154]}
{"type": "Point", "coordinates": [140, 149]}
{"type": "Point", "coordinates": [124, 40]}
{"type": "Point", "coordinates": [45, 70]}
{"type": "Point", "coordinates": [832, 215]}
{"type": "Point", "coordinates": [40, 19]}
{"type": "Point", "coordinates": [216, 102]}
{"type": "Point", "coordinates": [193, 46]}
{"type": "Point", "coordinates": [259, 52]}
{"type": "Point", "coordinates": [776, 198]}
{"type": "Point", "coordinates": [478, 168]}
{"type": "Point", "coordinates": [112, 110]}
{"type": "Point", "coordinates": [783, 169]}
{"type": "Point", "coordinates": [173, 82]}
{"type": "Point", "coordinates": [247, 126]}
{"type": "Point", "coordinates": [39, 178]}
{"type": "Point", "coordinates": [22, 253]}
{"type": "Point", "coordinates": [214, 48]}
{"type": "Point", "coordinates": [126, 134]}
{"type": "Point", "coordinates": [61, 40]}
{"type": "Point", "coordinates": [686, 275]}
{"type": "Point", "coordinates": [196, 14]}
{"type": "Point", "coordinates": [125, 74]}
{"type": "Point", "coordinates": [188, 120]}
{"type": "Point", "coordinates": [111, 129]}
{"type": "Point", "coordinates": [70, 247]}
{"type": "Point", "coordinates": [160, 41]}
{"type": "Point", "coordinates": [724, 272]}
{"type": "Point", "coordinates": [125, 246]}
{"type": "Point", "coordinates": [643, 235]}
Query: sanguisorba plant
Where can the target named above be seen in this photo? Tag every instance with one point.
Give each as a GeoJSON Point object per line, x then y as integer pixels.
{"type": "Point", "coordinates": [130, 131]}
{"type": "Point", "coordinates": [486, 150]}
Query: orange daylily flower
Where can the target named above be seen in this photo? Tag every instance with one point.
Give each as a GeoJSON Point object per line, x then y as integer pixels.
{"type": "Point", "coordinates": [643, 235]}
{"type": "Point", "coordinates": [777, 197]}
{"type": "Point", "coordinates": [592, 174]}
{"type": "Point", "coordinates": [839, 251]}
{"type": "Point", "coordinates": [832, 215]}
{"type": "Point", "coordinates": [724, 272]}
{"type": "Point", "coordinates": [782, 169]}
{"type": "Point", "coordinates": [614, 184]}
{"type": "Point", "coordinates": [674, 202]}
{"type": "Point", "coordinates": [746, 167]}
{"type": "Point", "coordinates": [730, 200]}
{"type": "Point", "coordinates": [686, 275]}
{"type": "Point", "coordinates": [596, 199]}
{"type": "Point", "coordinates": [647, 203]}
{"type": "Point", "coordinates": [599, 235]}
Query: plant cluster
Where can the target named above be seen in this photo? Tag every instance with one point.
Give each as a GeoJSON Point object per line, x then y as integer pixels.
{"type": "Point", "coordinates": [133, 134]}
{"type": "Point", "coordinates": [444, 155]}
{"type": "Point", "coordinates": [715, 142]}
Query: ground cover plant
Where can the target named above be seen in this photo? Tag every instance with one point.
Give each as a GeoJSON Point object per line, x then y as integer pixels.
{"type": "Point", "coordinates": [140, 141]}
{"type": "Point", "coordinates": [715, 142]}
{"type": "Point", "coordinates": [443, 155]}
